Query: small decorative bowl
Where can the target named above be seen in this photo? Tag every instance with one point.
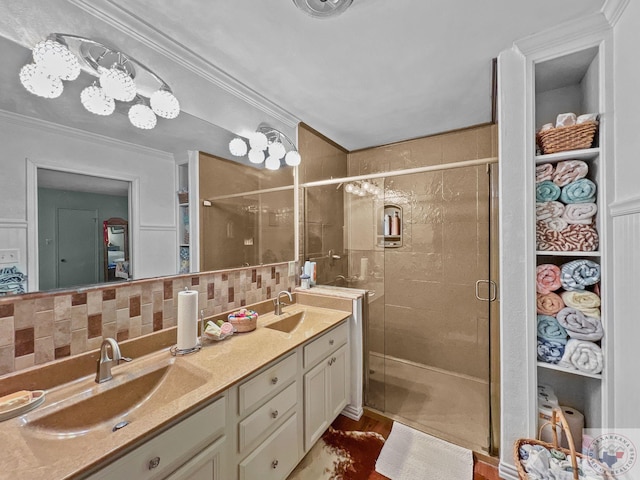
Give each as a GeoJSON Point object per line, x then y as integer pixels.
{"type": "Point", "coordinates": [244, 320]}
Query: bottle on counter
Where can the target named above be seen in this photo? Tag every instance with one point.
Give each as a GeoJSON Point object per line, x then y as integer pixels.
{"type": "Point", "coordinates": [305, 280]}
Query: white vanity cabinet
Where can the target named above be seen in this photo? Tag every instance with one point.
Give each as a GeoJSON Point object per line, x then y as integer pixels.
{"type": "Point", "coordinates": [193, 448]}
{"type": "Point", "coordinates": [326, 385]}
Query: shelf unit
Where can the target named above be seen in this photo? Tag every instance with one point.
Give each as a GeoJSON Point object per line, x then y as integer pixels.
{"type": "Point", "coordinates": [573, 83]}
{"type": "Point", "coordinates": [184, 229]}
{"type": "Point", "coordinates": [384, 236]}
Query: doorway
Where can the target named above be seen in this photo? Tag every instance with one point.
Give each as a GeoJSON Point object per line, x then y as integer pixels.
{"type": "Point", "coordinates": [77, 242]}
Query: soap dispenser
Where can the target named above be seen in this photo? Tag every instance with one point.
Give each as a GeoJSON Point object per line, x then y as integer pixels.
{"type": "Point", "coordinates": [305, 280]}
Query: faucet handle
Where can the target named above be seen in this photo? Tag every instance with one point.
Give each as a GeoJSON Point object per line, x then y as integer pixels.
{"type": "Point", "coordinates": [125, 359]}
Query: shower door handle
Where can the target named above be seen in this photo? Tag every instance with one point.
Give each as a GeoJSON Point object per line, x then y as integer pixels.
{"type": "Point", "coordinates": [493, 290]}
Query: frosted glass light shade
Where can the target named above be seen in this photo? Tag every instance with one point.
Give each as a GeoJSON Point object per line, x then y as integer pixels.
{"type": "Point", "coordinates": [258, 141]}
{"type": "Point", "coordinates": [95, 101]}
{"type": "Point", "coordinates": [348, 187]}
{"type": "Point", "coordinates": [36, 81]}
{"type": "Point", "coordinates": [56, 60]}
{"type": "Point", "coordinates": [165, 104]}
{"type": "Point", "coordinates": [256, 155]}
{"type": "Point", "coordinates": [292, 158]}
{"type": "Point", "coordinates": [118, 84]}
{"type": "Point", "coordinates": [142, 116]}
{"type": "Point", "coordinates": [277, 150]}
{"type": "Point", "coordinates": [238, 147]}
{"type": "Point", "coordinates": [272, 163]}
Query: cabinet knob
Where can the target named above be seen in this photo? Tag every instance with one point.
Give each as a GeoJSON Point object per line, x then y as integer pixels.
{"type": "Point", "coordinates": [274, 464]}
{"type": "Point", "coordinates": [331, 342]}
{"type": "Point", "coordinates": [154, 462]}
{"type": "Point", "coordinates": [274, 414]}
{"type": "Point", "coordinates": [330, 362]}
{"type": "Point", "coordinates": [274, 380]}
{"type": "Point", "coordinates": [333, 359]}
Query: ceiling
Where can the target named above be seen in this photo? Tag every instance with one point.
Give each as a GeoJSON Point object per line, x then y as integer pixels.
{"type": "Point", "coordinates": [384, 71]}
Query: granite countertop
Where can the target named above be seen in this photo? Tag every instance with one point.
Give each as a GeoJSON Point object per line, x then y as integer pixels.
{"type": "Point", "coordinates": [30, 452]}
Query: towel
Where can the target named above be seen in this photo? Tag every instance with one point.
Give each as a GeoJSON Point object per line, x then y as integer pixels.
{"type": "Point", "coordinates": [556, 224]}
{"type": "Point", "coordinates": [580, 191]}
{"type": "Point", "coordinates": [587, 302]}
{"type": "Point", "coordinates": [573, 238]}
{"type": "Point", "coordinates": [582, 355]}
{"type": "Point", "coordinates": [547, 210]}
{"type": "Point", "coordinates": [544, 172]}
{"type": "Point", "coordinates": [547, 191]}
{"type": "Point", "coordinates": [569, 171]}
{"type": "Point", "coordinates": [550, 351]}
{"type": "Point", "coordinates": [547, 278]}
{"type": "Point", "coordinates": [577, 274]}
{"type": "Point", "coordinates": [578, 325]}
{"type": "Point", "coordinates": [549, 303]}
{"type": "Point", "coordinates": [550, 329]}
{"type": "Point", "coordinates": [580, 213]}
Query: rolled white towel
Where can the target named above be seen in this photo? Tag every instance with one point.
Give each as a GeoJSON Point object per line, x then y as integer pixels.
{"type": "Point", "coordinates": [579, 326]}
{"type": "Point", "coordinates": [582, 355]}
{"type": "Point", "coordinates": [580, 213]}
{"type": "Point", "coordinates": [587, 302]}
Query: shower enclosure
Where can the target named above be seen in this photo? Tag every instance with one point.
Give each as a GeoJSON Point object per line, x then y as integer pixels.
{"type": "Point", "coordinates": [421, 242]}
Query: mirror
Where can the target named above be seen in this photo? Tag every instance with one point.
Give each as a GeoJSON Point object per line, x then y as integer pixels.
{"type": "Point", "coordinates": [58, 134]}
{"type": "Point", "coordinates": [116, 249]}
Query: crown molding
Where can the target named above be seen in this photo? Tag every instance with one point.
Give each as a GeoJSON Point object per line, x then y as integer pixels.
{"type": "Point", "coordinates": [630, 206]}
{"type": "Point", "coordinates": [560, 36]}
{"type": "Point", "coordinates": [135, 27]}
{"type": "Point", "coordinates": [612, 10]}
{"type": "Point", "coordinates": [56, 128]}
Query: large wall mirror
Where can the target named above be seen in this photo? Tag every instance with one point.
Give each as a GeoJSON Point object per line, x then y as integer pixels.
{"type": "Point", "coordinates": [57, 138]}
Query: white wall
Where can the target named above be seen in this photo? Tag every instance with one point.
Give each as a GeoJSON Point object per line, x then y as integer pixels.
{"type": "Point", "coordinates": [626, 212]}
{"type": "Point", "coordinates": [153, 208]}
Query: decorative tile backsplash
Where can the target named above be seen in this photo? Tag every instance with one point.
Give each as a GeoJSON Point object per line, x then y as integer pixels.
{"type": "Point", "coordinates": [41, 327]}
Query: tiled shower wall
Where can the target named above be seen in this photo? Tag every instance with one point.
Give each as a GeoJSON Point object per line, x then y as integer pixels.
{"type": "Point", "coordinates": [41, 327]}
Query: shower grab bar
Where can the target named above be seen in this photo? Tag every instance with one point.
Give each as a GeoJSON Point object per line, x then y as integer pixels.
{"type": "Point", "coordinates": [493, 290]}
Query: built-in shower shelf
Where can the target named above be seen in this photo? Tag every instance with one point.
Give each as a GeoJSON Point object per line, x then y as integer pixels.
{"type": "Point", "coordinates": [568, 370]}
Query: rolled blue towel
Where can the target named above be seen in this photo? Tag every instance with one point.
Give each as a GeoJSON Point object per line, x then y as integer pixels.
{"type": "Point", "coordinates": [547, 191]}
{"type": "Point", "coordinates": [550, 351]}
{"type": "Point", "coordinates": [577, 274]}
{"type": "Point", "coordinates": [580, 191]}
{"type": "Point", "coordinates": [550, 329]}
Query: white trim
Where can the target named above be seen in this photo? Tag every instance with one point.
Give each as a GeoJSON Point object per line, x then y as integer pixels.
{"type": "Point", "coordinates": [158, 228]}
{"type": "Point", "coordinates": [135, 27]}
{"type": "Point", "coordinates": [629, 206]}
{"type": "Point", "coordinates": [612, 10]}
{"type": "Point", "coordinates": [194, 211]}
{"type": "Point", "coordinates": [71, 132]}
{"type": "Point", "coordinates": [13, 223]}
{"type": "Point", "coordinates": [352, 412]}
{"type": "Point", "coordinates": [508, 472]}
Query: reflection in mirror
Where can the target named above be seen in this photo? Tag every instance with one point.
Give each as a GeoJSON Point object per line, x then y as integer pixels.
{"type": "Point", "coordinates": [116, 249]}
{"type": "Point", "coordinates": [72, 209]}
{"type": "Point", "coordinates": [248, 218]}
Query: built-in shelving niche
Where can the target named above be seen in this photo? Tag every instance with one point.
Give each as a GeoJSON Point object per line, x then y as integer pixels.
{"type": "Point", "coordinates": [387, 235]}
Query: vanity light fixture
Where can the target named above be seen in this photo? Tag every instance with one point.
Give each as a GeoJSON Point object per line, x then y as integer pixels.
{"type": "Point", "coordinates": [266, 145]}
{"type": "Point", "coordinates": [140, 91]}
{"type": "Point", "coordinates": [363, 188]}
{"type": "Point", "coordinates": [323, 8]}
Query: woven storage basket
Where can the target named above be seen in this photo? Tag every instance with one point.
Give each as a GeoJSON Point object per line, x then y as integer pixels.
{"type": "Point", "coordinates": [244, 324]}
{"type": "Point", "coordinates": [573, 137]}
{"type": "Point", "coordinates": [571, 453]}
{"type": "Point", "coordinates": [183, 197]}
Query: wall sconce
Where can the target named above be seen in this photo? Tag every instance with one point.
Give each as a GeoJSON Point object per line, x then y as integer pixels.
{"type": "Point", "coordinates": [266, 145]}
{"type": "Point", "coordinates": [363, 188]}
{"type": "Point", "coordinates": [119, 77]}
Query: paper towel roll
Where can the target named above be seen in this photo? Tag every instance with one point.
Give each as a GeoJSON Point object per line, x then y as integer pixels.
{"type": "Point", "coordinates": [575, 419]}
{"type": "Point", "coordinates": [187, 319]}
{"type": "Point", "coordinates": [544, 416]}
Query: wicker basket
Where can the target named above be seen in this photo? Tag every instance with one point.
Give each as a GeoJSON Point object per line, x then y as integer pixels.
{"type": "Point", "coordinates": [183, 197]}
{"type": "Point", "coordinates": [573, 137]}
{"type": "Point", "coordinates": [244, 324]}
{"type": "Point", "coordinates": [570, 452]}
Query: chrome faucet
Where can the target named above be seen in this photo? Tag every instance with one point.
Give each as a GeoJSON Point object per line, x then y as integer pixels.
{"type": "Point", "coordinates": [278, 304]}
{"type": "Point", "coordinates": [105, 363]}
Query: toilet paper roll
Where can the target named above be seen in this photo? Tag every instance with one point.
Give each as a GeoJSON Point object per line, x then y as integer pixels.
{"type": "Point", "coordinates": [187, 319]}
{"type": "Point", "coordinates": [575, 419]}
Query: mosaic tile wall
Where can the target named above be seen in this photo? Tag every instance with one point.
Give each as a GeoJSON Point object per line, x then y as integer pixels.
{"type": "Point", "coordinates": [41, 327]}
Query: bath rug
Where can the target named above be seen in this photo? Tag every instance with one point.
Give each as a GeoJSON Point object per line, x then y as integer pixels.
{"type": "Point", "coordinates": [341, 455]}
{"type": "Point", "coordinates": [410, 455]}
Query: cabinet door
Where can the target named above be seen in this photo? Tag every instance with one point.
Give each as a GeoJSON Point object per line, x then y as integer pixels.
{"type": "Point", "coordinates": [207, 465]}
{"type": "Point", "coordinates": [316, 392]}
{"type": "Point", "coordinates": [338, 382]}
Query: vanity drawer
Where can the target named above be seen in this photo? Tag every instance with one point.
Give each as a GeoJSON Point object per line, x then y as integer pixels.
{"type": "Point", "coordinates": [276, 457]}
{"type": "Point", "coordinates": [260, 387]}
{"type": "Point", "coordinates": [327, 343]}
{"type": "Point", "coordinates": [269, 414]}
{"type": "Point", "coordinates": [164, 453]}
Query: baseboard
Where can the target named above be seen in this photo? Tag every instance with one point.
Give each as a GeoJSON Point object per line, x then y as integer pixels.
{"type": "Point", "coordinates": [508, 472]}
{"type": "Point", "coordinates": [353, 412]}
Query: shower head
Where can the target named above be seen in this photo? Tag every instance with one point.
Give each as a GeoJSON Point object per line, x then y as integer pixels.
{"type": "Point", "coordinates": [323, 8]}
